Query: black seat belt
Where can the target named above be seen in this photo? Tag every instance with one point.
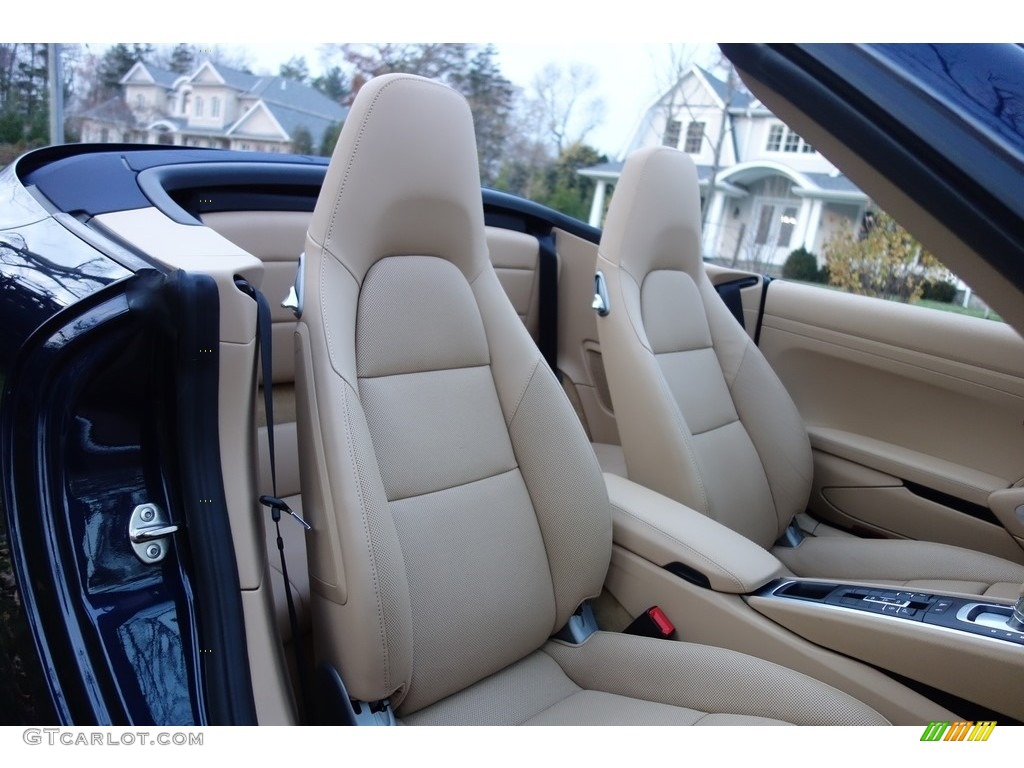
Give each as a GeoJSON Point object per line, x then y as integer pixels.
{"type": "Point", "coordinates": [275, 503]}
{"type": "Point", "coordinates": [730, 293]}
{"type": "Point", "coordinates": [547, 333]}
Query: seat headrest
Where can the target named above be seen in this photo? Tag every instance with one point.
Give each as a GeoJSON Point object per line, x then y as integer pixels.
{"type": "Point", "coordinates": [403, 179]}
{"type": "Point", "coordinates": [654, 218]}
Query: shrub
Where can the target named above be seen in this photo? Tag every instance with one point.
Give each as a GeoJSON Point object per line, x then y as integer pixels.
{"type": "Point", "coordinates": [801, 264]}
{"type": "Point", "coordinates": [938, 290]}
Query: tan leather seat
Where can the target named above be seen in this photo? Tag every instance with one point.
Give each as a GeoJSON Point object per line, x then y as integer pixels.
{"type": "Point", "coordinates": [702, 417]}
{"type": "Point", "coordinates": [459, 515]}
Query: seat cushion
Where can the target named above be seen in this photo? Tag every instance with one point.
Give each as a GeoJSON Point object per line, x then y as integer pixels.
{"type": "Point", "coordinates": [615, 679]}
{"type": "Point", "coordinates": [923, 565]}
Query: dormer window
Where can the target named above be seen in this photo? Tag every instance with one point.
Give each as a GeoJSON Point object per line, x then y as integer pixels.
{"type": "Point", "coordinates": [672, 131]}
{"type": "Point", "coordinates": [694, 138]}
{"type": "Point", "coordinates": [215, 107]}
{"type": "Point", "coordinates": [199, 106]}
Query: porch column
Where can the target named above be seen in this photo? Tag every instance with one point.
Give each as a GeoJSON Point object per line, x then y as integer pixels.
{"type": "Point", "coordinates": [711, 235]}
{"type": "Point", "coordinates": [597, 206]}
{"type": "Point", "coordinates": [813, 219]}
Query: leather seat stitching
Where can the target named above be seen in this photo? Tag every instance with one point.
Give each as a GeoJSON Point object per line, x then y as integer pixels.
{"type": "Point", "coordinates": [366, 532]}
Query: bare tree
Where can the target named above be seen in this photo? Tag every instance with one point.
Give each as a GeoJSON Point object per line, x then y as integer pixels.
{"type": "Point", "coordinates": [563, 102]}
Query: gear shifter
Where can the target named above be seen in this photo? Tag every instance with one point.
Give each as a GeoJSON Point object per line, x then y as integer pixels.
{"type": "Point", "coordinates": [1016, 620]}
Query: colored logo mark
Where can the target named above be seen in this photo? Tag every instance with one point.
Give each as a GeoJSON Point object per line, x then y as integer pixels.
{"type": "Point", "coordinates": [958, 731]}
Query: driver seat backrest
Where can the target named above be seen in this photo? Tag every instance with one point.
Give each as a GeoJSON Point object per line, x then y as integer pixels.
{"type": "Point", "coordinates": [459, 514]}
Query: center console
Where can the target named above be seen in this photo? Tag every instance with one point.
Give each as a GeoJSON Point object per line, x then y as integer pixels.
{"type": "Point", "coordinates": [973, 615]}
{"type": "Point", "coordinates": [968, 646]}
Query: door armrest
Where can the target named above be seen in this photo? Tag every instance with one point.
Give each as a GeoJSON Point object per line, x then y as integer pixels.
{"type": "Point", "coordinates": [663, 531]}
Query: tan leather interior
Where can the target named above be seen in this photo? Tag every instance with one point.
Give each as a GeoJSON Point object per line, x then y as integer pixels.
{"type": "Point", "coordinates": [702, 416]}
{"type": "Point", "coordinates": [925, 397]}
{"type": "Point", "coordinates": [434, 470]}
{"type": "Point", "coordinates": [459, 513]}
{"type": "Point", "coordinates": [976, 667]}
{"type": "Point", "coordinates": [663, 531]}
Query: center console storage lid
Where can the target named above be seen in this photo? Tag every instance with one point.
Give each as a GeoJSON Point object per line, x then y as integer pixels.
{"type": "Point", "coordinates": [664, 531]}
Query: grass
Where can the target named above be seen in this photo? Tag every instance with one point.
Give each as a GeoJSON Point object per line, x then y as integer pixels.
{"type": "Point", "coordinates": [972, 311]}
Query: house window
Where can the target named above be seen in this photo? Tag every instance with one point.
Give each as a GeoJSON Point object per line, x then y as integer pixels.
{"type": "Point", "coordinates": [140, 101]}
{"type": "Point", "coordinates": [783, 139]}
{"type": "Point", "coordinates": [215, 106]}
{"type": "Point", "coordinates": [694, 137]}
{"type": "Point", "coordinates": [672, 131]}
{"type": "Point", "coordinates": [199, 106]}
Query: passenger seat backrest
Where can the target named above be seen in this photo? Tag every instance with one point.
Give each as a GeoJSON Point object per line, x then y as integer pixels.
{"type": "Point", "coordinates": [702, 417]}
{"type": "Point", "coordinates": [444, 472]}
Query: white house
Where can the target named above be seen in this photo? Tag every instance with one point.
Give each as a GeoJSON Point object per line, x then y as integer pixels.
{"type": "Point", "coordinates": [772, 192]}
{"type": "Point", "coordinates": [214, 106]}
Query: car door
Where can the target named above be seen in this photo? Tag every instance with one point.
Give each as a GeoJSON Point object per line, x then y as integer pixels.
{"type": "Point", "coordinates": [119, 573]}
{"type": "Point", "coordinates": [916, 416]}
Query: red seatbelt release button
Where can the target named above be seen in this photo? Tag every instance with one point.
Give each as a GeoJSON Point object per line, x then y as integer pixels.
{"type": "Point", "coordinates": [661, 621]}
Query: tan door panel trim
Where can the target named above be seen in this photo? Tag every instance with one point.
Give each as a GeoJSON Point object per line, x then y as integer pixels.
{"type": "Point", "coordinates": [900, 513]}
{"type": "Point", "coordinates": [955, 479]}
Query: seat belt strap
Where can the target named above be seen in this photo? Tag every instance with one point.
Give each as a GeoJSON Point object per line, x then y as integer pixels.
{"type": "Point", "coordinates": [547, 333]}
{"type": "Point", "coordinates": [275, 503]}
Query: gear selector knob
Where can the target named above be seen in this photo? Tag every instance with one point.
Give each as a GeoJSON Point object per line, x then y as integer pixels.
{"type": "Point", "coordinates": [1017, 619]}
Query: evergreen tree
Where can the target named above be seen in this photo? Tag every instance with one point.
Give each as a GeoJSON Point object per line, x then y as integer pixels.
{"type": "Point", "coordinates": [491, 97]}
{"type": "Point", "coordinates": [333, 85]}
{"type": "Point", "coordinates": [302, 141]}
{"type": "Point", "coordinates": [183, 59]}
{"type": "Point", "coordinates": [330, 139]}
{"type": "Point", "coordinates": [295, 69]}
{"type": "Point", "coordinates": [118, 60]}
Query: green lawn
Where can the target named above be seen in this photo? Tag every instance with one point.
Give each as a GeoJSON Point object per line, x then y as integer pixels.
{"type": "Point", "coordinates": [958, 309]}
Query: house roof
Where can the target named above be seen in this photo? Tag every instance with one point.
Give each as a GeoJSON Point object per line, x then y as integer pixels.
{"type": "Point", "coordinates": [823, 182]}
{"type": "Point", "coordinates": [113, 110]}
{"type": "Point", "coordinates": [163, 77]}
{"type": "Point", "coordinates": [291, 119]}
{"type": "Point", "coordinates": [738, 99]}
{"type": "Point", "coordinates": [830, 183]}
{"type": "Point", "coordinates": [235, 78]}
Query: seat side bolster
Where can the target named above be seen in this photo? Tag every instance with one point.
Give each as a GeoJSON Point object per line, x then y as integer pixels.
{"type": "Point", "coordinates": [766, 410]}
{"type": "Point", "coordinates": [664, 531]}
{"type": "Point", "coordinates": [360, 599]}
{"type": "Point", "coordinates": [656, 440]}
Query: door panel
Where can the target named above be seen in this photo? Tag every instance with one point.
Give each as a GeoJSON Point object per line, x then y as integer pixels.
{"type": "Point", "coordinates": [579, 349]}
{"type": "Point", "coordinates": [931, 401]}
